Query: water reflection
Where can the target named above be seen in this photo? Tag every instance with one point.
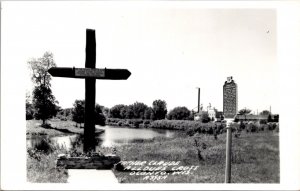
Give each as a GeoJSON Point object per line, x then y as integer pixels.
{"type": "Point", "coordinates": [113, 136]}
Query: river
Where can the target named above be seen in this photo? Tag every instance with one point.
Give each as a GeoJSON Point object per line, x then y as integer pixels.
{"type": "Point", "coordinates": [113, 136]}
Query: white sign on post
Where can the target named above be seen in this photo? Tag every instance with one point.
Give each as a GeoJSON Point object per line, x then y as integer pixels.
{"type": "Point", "coordinates": [89, 72]}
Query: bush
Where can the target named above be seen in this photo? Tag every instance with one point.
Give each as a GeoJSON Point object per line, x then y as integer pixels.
{"type": "Point", "coordinates": [272, 126]}
{"type": "Point", "coordinates": [44, 146]}
{"type": "Point", "coordinates": [136, 124]}
{"type": "Point", "coordinates": [100, 119]}
{"type": "Point", "coordinates": [29, 111]}
{"type": "Point", "coordinates": [251, 127]}
{"type": "Point", "coordinates": [191, 127]}
{"type": "Point", "coordinates": [276, 118]}
{"type": "Point", "coordinates": [191, 132]}
{"type": "Point", "coordinates": [146, 122]}
{"type": "Point", "coordinates": [235, 127]}
{"type": "Point", "coordinates": [242, 126]}
{"type": "Point", "coordinates": [262, 127]}
{"type": "Point", "coordinates": [263, 121]}
{"type": "Point", "coordinates": [205, 118]}
{"type": "Point", "coordinates": [179, 113]}
{"type": "Point", "coordinates": [277, 128]}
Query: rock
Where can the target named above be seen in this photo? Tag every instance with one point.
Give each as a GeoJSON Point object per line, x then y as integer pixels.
{"type": "Point", "coordinates": [62, 156]}
{"type": "Point", "coordinates": [92, 162]}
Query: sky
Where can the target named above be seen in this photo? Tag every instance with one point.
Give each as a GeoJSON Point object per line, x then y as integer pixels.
{"type": "Point", "coordinates": [169, 50]}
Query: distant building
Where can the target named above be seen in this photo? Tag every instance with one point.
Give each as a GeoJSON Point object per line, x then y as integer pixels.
{"type": "Point", "coordinates": [212, 112]}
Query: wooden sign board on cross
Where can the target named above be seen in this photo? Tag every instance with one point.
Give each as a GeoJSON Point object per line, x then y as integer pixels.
{"type": "Point", "coordinates": [90, 74]}
{"type": "Point", "coordinates": [104, 74]}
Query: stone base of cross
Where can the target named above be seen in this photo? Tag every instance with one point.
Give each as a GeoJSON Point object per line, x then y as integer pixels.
{"type": "Point", "coordinates": [90, 74]}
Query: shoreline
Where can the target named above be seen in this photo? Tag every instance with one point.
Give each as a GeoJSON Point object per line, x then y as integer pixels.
{"type": "Point", "coordinates": [56, 128]}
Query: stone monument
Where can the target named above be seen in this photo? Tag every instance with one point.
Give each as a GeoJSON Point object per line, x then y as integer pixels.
{"type": "Point", "coordinates": [230, 98]}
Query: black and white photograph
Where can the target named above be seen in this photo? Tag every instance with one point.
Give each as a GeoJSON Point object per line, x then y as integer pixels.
{"type": "Point", "coordinates": [149, 95]}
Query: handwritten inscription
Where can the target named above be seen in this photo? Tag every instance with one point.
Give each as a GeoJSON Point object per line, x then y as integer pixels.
{"type": "Point", "coordinates": [157, 170]}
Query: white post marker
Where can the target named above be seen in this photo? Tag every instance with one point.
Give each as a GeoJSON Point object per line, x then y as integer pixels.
{"type": "Point", "coordinates": [228, 151]}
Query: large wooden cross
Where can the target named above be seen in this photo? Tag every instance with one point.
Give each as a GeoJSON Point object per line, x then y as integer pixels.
{"type": "Point", "coordinates": [90, 74]}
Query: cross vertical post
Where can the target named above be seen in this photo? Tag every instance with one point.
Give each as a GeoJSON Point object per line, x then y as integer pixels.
{"type": "Point", "coordinates": [90, 93]}
{"type": "Point", "coordinates": [90, 73]}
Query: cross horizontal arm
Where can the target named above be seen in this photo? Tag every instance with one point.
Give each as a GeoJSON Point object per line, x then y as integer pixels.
{"type": "Point", "coordinates": [97, 73]}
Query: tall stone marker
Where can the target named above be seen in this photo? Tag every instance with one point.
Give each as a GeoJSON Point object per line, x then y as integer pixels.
{"type": "Point", "coordinates": [230, 98]}
{"type": "Point", "coordinates": [90, 74]}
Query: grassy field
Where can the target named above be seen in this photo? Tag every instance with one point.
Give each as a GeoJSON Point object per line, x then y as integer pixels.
{"type": "Point", "coordinates": [255, 158]}
{"type": "Point", "coordinates": [56, 128]}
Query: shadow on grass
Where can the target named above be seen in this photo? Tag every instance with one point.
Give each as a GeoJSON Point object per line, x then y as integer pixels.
{"type": "Point", "coordinates": [67, 131]}
{"type": "Point", "coordinates": [48, 126]}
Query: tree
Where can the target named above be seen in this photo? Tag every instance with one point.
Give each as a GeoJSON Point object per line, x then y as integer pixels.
{"type": "Point", "coordinates": [99, 116]}
{"type": "Point", "coordinates": [265, 112]}
{"type": "Point", "coordinates": [149, 114]}
{"type": "Point", "coordinates": [179, 113]}
{"type": "Point", "coordinates": [29, 111]}
{"type": "Point", "coordinates": [100, 119]}
{"type": "Point", "coordinates": [105, 111]}
{"type": "Point", "coordinates": [129, 114]}
{"type": "Point", "coordinates": [39, 69]}
{"type": "Point", "coordinates": [29, 107]}
{"type": "Point", "coordinates": [244, 111]}
{"type": "Point", "coordinates": [44, 102]}
{"type": "Point", "coordinates": [99, 108]}
{"type": "Point", "coordinates": [123, 112]}
{"type": "Point", "coordinates": [115, 111]}
{"type": "Point", "coordinates": [139, 110]}
{"type": "Point", "coordinates": [78, 111]}
{"type": "Point", "coordinates": [159, 109]}
{"type": "Point", "coordinates": [276, 118]}
{"type": "Point", "coordinates": [270, 118]}
{"type": "Point", "coordinates": [67, 112]}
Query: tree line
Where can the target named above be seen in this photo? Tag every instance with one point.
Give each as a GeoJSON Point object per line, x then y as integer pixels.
{"type": "Point", "coordinates": [140, 110]}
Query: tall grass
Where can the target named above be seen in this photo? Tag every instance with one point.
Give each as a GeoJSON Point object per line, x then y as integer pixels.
{"type": "Point", "coordinates": [255, 157]}
{"type": "Point", "coordinates": [41, 163]}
